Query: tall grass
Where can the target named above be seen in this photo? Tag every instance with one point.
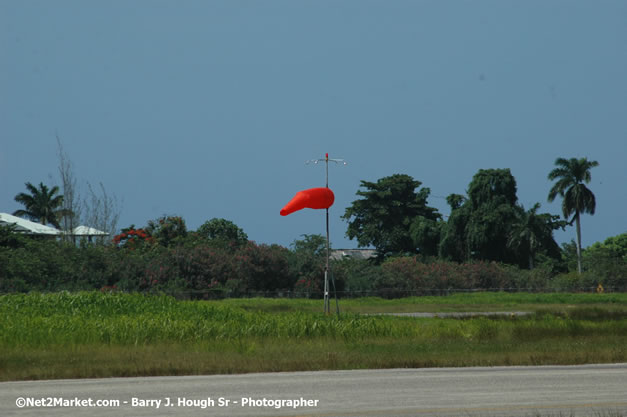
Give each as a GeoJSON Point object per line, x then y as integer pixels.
{"type": "Point", "coordinates": [92, 334]}
{"type": "Point", "coordinates": [476, 301]}
{"type": "Point", "coordinates": [119, 318]}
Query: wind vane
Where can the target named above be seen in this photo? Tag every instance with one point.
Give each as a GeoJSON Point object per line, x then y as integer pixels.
{"type": "Point", "coordinates": [318, 198]}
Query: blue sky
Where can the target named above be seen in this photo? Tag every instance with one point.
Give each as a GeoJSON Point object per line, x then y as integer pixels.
{"type": "Point", "coordinates": [204, 108]}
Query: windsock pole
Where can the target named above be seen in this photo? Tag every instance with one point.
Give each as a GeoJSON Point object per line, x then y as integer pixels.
{"type": "Point", "coordinates": [327, 307]}
{"type": "Point", "coordinates": [327, 304]}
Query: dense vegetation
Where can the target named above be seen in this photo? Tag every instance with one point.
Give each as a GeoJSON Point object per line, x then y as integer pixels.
{"type": "Point", "coordinates": [486, 224]}
{"type": "Point", "coordinates": [167, 258]}
{"type": "Point", "coordinates": [94, 334]}
{"type": "Point", "coordinates": [488, 242]}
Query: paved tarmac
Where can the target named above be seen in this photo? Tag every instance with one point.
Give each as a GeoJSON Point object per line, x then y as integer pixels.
{"type": "Point", "coordinates": [596, 390]}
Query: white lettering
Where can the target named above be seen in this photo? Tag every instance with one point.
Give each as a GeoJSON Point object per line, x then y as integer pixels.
{"type": "Point", "coordinates": [198, 403]}
{"type": "Point", "coordinates": [139, 402]}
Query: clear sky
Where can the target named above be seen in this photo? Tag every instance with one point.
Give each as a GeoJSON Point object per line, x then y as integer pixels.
{"type": "Point", "coordinates": [207, 108]}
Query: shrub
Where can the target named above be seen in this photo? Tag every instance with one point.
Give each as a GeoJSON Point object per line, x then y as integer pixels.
{"type": "Point", "coordinates": [404, 275]}
{"type": "Point", "coordinates": [399, 276]}
{"type": "Point", "coordinates": [264, 267]}
{"type": "Point", "coordinates": [573, 281]}
{"type": "Point", "coordinates": [356, 276]}
{"type": "Point", "coordinates": [167, 230]}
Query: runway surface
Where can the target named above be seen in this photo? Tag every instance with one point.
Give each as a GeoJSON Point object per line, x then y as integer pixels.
{"type": "Point", "coordinates": [503, 391]}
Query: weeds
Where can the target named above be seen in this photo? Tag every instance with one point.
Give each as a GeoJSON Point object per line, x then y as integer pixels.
{"type": "Point", "coordinates": [93, 334]}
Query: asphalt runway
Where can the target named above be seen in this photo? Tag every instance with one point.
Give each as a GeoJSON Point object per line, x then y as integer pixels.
{"type": "Point", "coordinates": [588, 390]}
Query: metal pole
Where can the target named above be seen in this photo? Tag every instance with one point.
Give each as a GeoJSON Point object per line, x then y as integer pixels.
{"type": "Point", "coordinates": [327, 306]}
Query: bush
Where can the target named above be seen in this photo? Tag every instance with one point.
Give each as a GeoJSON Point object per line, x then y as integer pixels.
{"type": "Point", "coordinates": [167, 230]}
{"type": "Point", "coordinates": [407, 275]}
{"type": "Point", "coordinates": [608, 262]}
{"type": "Point", "coordinates": [536, 279]}
{"type": "Point", "coordinates": [200, 268]}
{"type": "Point", "coordinates": [573, 281]}
{"type": "Point", "coordinates": [399, 276]}
{"type": "Point", "coordinates": [355, 276]}
{"type": "Point", "coordinates": [264, 267]}
{"type": "Point", "coordinates": [41, 264]}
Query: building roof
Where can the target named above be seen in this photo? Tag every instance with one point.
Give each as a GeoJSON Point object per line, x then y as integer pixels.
{"type": "Point", "coordinates": [26, 226]}
{"type": "Point", "coordinates": [88, 231]}
{"type": "Point", "coordinates": [338, 254]}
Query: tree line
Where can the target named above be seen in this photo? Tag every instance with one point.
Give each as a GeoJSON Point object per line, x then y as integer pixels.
{"type": "Point", "coordinates": [489, 241]}
{"type": "Point", "coordinates": [486, 224]}
{"type": "Point", "coordinates": [218, 260]}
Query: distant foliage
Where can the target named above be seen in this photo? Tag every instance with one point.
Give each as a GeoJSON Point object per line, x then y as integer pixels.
{"type": "Point", "coordinates": [490, 225]}
{"type": "Point", "coordinates": [409, 274]}
{"type": "Point", "coordinates": [132, 238]}
{"type": "Point", "coordinates": [167, 230]}
{"type": "Point", "coordinates": [189, 267]}
{"type": "Point", "coordinates": [222, 232]}
{"type": "Point", "coordinates": [607, 261]}
{"type": "Point", "coordinates": [307, 262]}
{"type": "Point", "coordinates": [383, 216]}
{"type": "Point", "coordinates": [356, 276]}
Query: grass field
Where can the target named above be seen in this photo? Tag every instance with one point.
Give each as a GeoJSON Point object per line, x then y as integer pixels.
{"type": "Point", "coordinates": [63, 335]}
{"type": "Point", "coordinates": [459, 302]}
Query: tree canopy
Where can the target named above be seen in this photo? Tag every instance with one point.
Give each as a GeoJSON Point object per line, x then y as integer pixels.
{"type": "Point", "coordinates": [384, 215]}
{"type": "Point", "coordinates": [533, 232]}
{"type": "Point", "coordinates": [167, 230]}
{"type": "Point", "coordinates": [479, 225]}
{"type": "Point", "coordinates": [490, 225]}
{"type": "Point", "coordinates": [223, 231]}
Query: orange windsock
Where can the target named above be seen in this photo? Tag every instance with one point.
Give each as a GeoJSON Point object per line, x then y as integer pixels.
{"type": "Point", "coordinates": [314, 198]}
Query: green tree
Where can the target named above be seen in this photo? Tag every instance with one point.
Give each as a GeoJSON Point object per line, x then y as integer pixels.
{"type": "Point", "coordinates": [167, 230]}
{"type": "Point", "coordinates": [9, 238]}
{"type": "Point", "coordinates": [492, 197]}
{"type": "Point", "coordinates": [308, 259]}
{"type": "Point", "coordinates": [479, 225]}
{"type": "Point", "coordinates": [455, 201]}
{"type": "Point", "coordinates": [312, 245]}
{"type": "Point", "coordinates": [264, 267]}
{"type": "Point", "coordinates": [572, 175]}
{"type": "Point", "coordinates": [533, 232]}
{"type": "Point", "coordinates": [383, 217]}
{"type": "Point", "coordinates": [492, 187]}
{"type": "Point", "coordinates": [490, 225]}
{"type": "Point", "coordinates": [607, 261]}
{"type": "Point", "coordinates": [42, 204]}
{"type": "Point", "coordinates": [425, 234]}
{"type": "Point", "coordinates": [223, 232]}
{"type": "Point", "coordinates": [453, 239]}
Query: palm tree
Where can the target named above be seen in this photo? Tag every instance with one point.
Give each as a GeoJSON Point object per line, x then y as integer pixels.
{"type": "Point", "coordinates": [576, 197]}
{"type": "Point", "coordinates": [533, 232]}
{"type": "Point", "coordinates": [525, 234]}
{"type": "Point", "coordinates": [42, 204]}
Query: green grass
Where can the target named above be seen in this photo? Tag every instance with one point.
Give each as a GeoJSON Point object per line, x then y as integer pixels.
{"type": "Point", "coordinates": [64, 335]}
{"type": "Point", "coordinates": [460, 302]}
